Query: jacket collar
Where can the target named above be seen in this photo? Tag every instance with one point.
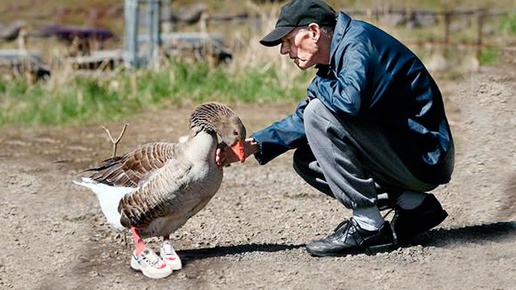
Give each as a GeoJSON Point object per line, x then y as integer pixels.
{"type": "Point", "coordinates": [342, 26]}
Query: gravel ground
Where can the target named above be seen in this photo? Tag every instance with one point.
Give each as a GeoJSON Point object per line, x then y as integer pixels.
{"type": "Point", "coordinates": [252, 234]}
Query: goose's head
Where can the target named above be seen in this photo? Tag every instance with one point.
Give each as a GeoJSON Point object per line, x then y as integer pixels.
{"type": "Point", "coordinates": [232, 133]}
{"type": "Point", "coordinates": [217, 118]}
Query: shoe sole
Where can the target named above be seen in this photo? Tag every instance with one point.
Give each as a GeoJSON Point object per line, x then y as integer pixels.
{"type": "Point", "coordinates": [380, 249]}
{"type": "Point", "coordinates": [372, 250]}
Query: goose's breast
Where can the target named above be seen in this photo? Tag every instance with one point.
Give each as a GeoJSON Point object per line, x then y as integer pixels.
{"type": "Point", "coordinates": [205, 182]}
{"type": "Point", "coordinates": [193, 196]}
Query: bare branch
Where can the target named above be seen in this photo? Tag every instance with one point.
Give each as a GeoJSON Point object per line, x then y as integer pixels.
{"type": "Point", "coordinates": [115, 142]}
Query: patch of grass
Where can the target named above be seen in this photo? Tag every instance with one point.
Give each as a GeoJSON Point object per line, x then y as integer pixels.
{"type": "Point", "coordinates": [257, 74]}
{"type": "Point", "coordinates": [488, 56]}
{"type": "Point", "coordinates": [508, 23]}
{"type": "Point", "coordinates": [94, 98]}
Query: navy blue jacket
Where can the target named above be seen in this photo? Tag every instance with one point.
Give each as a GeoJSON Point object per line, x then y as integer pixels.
{"type": "Point", "coordinates": [372, 77]}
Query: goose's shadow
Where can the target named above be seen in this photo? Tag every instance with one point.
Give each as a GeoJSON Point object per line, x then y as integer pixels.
{"type": "Point", "coordinates": [438, 238]}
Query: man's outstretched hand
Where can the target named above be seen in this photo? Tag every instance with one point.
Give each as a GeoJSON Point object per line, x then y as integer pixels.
{"type": "Point", "coordinates": [224, 156]}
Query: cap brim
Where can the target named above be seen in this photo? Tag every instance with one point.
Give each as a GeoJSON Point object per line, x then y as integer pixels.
{"type": "Point", "coordinates": [275, 36]}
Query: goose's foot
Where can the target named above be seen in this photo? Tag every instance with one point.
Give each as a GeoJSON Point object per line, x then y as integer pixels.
{"type": "Point", "coordinates": [145, 260]}
{"type": "Point", "coordinates": [138, 241]}
{"type": "Point", "coordinates": [169, 255]}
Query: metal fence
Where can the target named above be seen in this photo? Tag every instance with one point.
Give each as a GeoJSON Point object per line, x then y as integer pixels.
{"type": "Point", "coordinates": [142, 32]}
{"type": "Point", "coordinates": [145, 42]}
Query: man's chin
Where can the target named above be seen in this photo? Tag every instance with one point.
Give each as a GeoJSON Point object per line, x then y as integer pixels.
{"type": "Point", "coordinates": [303, 66]}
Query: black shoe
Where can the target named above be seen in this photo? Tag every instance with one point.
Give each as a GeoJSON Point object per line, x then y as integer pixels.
{"type": "Point", "coordinates": [349, 238]}
{"type": "Point", "coordinates": [407, 224]}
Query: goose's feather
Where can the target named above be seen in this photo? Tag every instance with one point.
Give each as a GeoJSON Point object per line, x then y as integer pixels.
{"type": "Point", "coordinates": [109, 197]}
{"type": "Point", "coordinates": [133, 167]}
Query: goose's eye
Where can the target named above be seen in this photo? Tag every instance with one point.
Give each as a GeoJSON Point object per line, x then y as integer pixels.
{"type": "Point", "coordinates": [235, 133]}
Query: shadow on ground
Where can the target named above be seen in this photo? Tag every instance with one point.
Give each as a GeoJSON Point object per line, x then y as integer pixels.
{"type": "Point", "coordinates": [437, 238]}
{"type": "Point", "coordinates": [470, 234]}
{"type": "Point", "coordinates": [197, 254]}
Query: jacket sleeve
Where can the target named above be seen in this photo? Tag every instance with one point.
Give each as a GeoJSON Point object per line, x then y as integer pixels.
{"type": "Point", "coordinates": [344, 88]}
{"type": "Point", "coordinates": [283, 135]}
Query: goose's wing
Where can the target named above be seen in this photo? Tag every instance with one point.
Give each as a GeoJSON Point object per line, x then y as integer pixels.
{"type": "Point", "coordinates": [165, 193]}
{"type": "Point", "coordinates": [132, 168]}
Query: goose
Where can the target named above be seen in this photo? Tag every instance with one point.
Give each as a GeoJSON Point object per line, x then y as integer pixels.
{"type": "Point", "coordinates": [155, 189]}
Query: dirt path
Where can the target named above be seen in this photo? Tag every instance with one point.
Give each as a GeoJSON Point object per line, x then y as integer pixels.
{"type": "Point", "coordinates": [252, 234]}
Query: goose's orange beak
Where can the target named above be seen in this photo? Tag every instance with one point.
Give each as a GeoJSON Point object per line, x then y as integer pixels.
{"type": "Point", "coordinates": [238, 148]}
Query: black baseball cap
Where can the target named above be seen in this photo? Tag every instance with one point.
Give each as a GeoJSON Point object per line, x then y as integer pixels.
{"type": "Point", "coordinates": [300, 13]}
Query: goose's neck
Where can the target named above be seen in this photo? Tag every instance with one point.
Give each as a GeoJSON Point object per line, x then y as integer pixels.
{"type": "Point", "coordinates": [202, 145]}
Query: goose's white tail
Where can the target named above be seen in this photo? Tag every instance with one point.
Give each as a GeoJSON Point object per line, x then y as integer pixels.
{"type": "Point", "coordinates": [109, 197]}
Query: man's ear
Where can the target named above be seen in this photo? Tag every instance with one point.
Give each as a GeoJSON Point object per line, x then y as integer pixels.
{"type": "Point", "coordinates": [315, 30]}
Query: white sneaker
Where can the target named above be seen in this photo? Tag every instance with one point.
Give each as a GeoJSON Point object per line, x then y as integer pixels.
{"type": "Point", "coordinates": [150, 264]}
{"type": "Point", "coordinates": [169, 255]}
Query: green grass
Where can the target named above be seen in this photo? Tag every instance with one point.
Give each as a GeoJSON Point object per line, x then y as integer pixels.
{"type": "Point", "coordinates": [489, 56]}
{"type": "Point", "coordinates": [94, 98]}
{"type": "Point", "coordinates": [508, 24]}
{"type": "Point", "coordinates": [257, 74]}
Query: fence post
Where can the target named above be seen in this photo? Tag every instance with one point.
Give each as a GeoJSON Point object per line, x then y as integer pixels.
{"type": "Point", "coordinates": [152, 15]}
{"type": "Point", "coordinates": [131, 32]}
{"type": "Point", "coordinates": [153, 42]}
{"type": "Point", "coordinates": [156, 32]}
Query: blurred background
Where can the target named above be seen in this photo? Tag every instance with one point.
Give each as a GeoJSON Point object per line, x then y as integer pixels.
{"type": "Point", "coordinates": [71, 62]}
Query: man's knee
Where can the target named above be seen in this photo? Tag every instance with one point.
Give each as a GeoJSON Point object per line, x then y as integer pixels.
{"type": "Point", "coordinates": [313, 112]}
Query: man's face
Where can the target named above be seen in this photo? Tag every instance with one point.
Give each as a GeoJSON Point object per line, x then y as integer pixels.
{"type": "Point", "coordinates": [300, 46]}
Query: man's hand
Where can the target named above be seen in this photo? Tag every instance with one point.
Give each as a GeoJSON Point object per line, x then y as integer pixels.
{"type": "Point", "coordinates": [224, 156]}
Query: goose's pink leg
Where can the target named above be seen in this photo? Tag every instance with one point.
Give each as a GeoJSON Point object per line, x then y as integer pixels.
{"type": "Point", "coordinates": [138, 241]}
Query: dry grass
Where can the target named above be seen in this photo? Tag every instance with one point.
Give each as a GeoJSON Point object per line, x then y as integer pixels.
{"type": "Point", "coordinates": [242, 38]}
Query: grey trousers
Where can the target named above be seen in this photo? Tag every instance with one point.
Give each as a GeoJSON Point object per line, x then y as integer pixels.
{"type": "Point", "coordinates": [351, 161]}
